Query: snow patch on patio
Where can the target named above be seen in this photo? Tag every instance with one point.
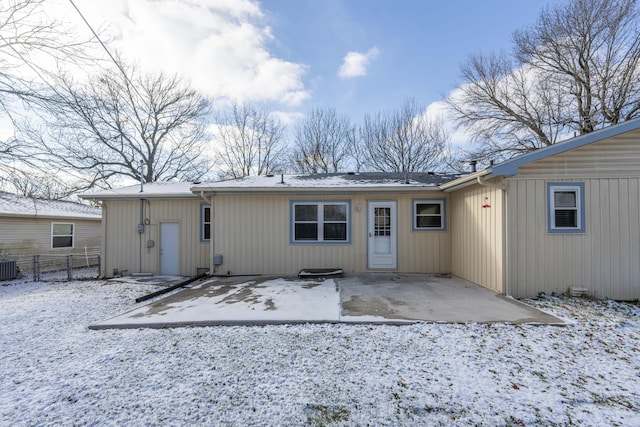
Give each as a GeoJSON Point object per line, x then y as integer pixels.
{"type": "Point", "coordinates": [253, 301]}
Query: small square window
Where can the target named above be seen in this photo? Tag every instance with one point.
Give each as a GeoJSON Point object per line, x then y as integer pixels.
{"type": "Point", "coordinates": [428, 215]}
{"type": "Point", "coordinates": [62, 235]}
{"type": "Point", "coordinates": [565, 207]}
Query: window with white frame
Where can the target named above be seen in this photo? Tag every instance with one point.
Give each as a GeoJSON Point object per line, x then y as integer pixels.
{"type": "Point", "coordinates": [565, 207]}
{"type": "Point", "coordinates": [205, 223]}
{"type": "Point", "coordinates": [326, 222]}
{"type": "Point", "coordinates": [428, 215]}
{"type": "Point", "coordinates": [62, 235]}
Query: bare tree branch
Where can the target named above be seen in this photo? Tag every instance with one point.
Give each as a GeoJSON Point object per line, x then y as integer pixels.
{"type": "Point", "coordinates": [105, 127]}
{"type": "Point", "coordinates": [323, 141]}
{"type": "Point", "coordinates": [404, 140]}
{"type": "Point", "coordinates": [250, 141]}
{"type": "Point", "coordinates": [574, 71]}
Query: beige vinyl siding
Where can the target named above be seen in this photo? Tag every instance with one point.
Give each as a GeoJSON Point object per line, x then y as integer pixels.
{"type": "Point", "coordinates": [615, 157]}
{"type": "Point", "coordinates": [21, 238]}
{"type": "Point", "coordinates": [126, 250]}
{"type": "Point", "coordinates": [252, 232]}
{"type": "Point", "coordinates": [29, 236]}
{"type": "Point", "coordinates": [477, 236]}
{"type": "Point", "coordinates": [605, 259]}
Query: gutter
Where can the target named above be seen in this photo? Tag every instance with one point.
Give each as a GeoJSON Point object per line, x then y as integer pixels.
{"type": "Point", "coordinates": [465, 181]}
{"type": "Point", "coordinates": [484, 183]}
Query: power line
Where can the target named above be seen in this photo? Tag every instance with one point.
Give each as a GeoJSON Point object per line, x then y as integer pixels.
{"type": "Point", "coordinates": [95, 34]}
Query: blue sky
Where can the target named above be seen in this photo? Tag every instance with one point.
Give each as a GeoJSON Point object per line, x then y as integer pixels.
{"type": "Point", "coordinates": [420, 44]}
{"type": "Point", "coordinates": [357, 56]}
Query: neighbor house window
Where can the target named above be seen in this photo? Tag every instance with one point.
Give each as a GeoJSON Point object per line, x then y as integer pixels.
{"type": "Point", "coordinates": [326, 222]}
{"type": "Point", "coordinates": [565, 207]}
{"type": "Point", "coordinates": [205, 223]}
{"type": "Point", "coordinates": [62, 235]}
{"type": "Point", "coordinates": [428, 215]}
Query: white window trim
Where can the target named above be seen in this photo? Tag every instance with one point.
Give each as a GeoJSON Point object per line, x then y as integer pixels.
{"type": "Point", "coordinates": [552, 188]}
{"type": "Point", "coordinates": [441, 202]}
{"type": "Point", "coordinates": [320, 204]}
{"type": "Point", "coordinates": [73, 235]}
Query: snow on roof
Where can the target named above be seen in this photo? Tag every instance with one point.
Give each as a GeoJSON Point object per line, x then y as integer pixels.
{"type": "Point", "coordinates": [366, 181]}
{"type": "Point", "coordinates": [15, 205]}
{"type": "Point", "coordinates": [150, 190]}
{"type": "Point", "coordinates": [334, 181]}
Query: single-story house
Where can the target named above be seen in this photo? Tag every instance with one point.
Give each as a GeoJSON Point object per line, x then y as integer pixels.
{"type": "Point", "coordinates": [566, 216]}
{"type": "Point", "coordinates": [30, 226]}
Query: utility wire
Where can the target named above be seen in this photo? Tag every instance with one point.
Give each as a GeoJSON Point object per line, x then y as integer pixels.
{"type": "Point", "coordinates": [95, 34]}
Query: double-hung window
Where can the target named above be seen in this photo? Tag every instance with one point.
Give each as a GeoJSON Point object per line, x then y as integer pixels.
{"type": "Point", "coordinates": [205, 223]}
{"type": "Point", "coordinates": [428, 215]}
{"type": "Point", "coordinates": [565, 207]}
{"type": "Point", "coordinates": [321, 222]}
{"type": "Point", "coordinates": [61, 235]}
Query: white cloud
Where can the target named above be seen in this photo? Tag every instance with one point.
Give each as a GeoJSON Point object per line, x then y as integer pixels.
{"type": "Point", "coordinates": [219, 45]}
{"type": "Point", "coordinates": [458, 137]}
{"type": "Point", "coordinates": [355, 63]}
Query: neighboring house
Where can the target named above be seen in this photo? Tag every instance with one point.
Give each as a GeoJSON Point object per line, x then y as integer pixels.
{"type": "Point", "coordinates": [30, 226]}
{"type": "Point", "coordinates": [560, 217]}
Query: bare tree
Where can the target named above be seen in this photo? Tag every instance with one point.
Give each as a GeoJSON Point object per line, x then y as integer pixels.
{"type": "Point", "coordinates": [250, 141]}
{"type": "Point", "coordinates": [576, 70]}
{"type": "Point", "coordinates": [41, 185]}
{"type": "Point", "coordinates": [104, 128]}
{"type": "Point", "coordinates": [509, 110]}
{"type": "Point", "coordinates": [593, 48]}
{"type": "Point", "coordinates": [323, 142]}
{"type": "Point", "coordinates": [32, 46]}
{"type": "Point", "coordinates": [405, 140]}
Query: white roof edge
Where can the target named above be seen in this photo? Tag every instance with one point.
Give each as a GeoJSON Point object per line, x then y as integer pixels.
{"type": "Point", "coordinates": [80, 217]}
{"type": "Point", "coordinates": [139, 196]}
{"type": "Point", "coordinates": [511, 167]}
{"type": "Point", "coordinates": [307, 190]}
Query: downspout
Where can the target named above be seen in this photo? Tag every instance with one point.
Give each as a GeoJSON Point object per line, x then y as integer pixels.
{"type": "Point", "coordinates": [505, 265]}
{"type": "Point", "coordinates": [140, 232]}
{"type": "Point", "coordinates": [212, 266]}
{"type": "Point", "coordinates": [103, 243]}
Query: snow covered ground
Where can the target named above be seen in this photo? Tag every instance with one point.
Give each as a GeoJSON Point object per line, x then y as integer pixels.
{"type": "Point", "coordinates": [55, 371]}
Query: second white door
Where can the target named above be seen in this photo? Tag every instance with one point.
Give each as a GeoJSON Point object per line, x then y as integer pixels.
{"type": "Point", "coordinates": [383, 238]}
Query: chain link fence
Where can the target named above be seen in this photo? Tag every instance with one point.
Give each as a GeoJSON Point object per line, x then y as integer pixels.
{"type": "Point", "coordinates": [48, 267]}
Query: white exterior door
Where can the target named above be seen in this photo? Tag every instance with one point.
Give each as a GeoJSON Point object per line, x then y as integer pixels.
{"type": "Point", "coordinates": [169, 249]}
{"type": "Point", "coordinates": [383, 237]}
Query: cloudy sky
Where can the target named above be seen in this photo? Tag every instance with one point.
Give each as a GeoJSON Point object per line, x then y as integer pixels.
{"type": "Point", "coordinates": [358, 56]}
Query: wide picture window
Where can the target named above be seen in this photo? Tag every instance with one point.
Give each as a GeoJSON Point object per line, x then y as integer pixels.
{"type": "Point", "coordinates": [320, 222]}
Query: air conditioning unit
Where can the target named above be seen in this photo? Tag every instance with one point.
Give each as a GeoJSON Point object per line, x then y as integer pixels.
{"type": "Point", "coordinates": [8, 269]}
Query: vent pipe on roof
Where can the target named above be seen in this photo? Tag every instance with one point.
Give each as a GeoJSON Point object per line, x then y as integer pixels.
{"type": "Point", "coordinates": [473, 164]}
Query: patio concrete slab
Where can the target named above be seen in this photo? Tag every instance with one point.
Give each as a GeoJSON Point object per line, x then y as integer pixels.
{"type": "Point", "coordinates": [432, 299]}
{"type": "Point", "coordinates": [389, 298]}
